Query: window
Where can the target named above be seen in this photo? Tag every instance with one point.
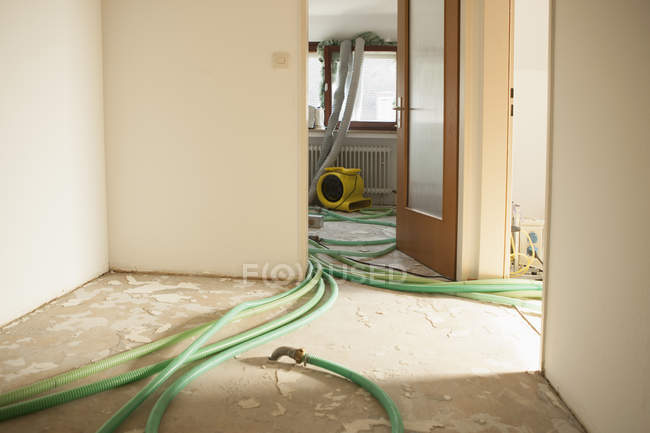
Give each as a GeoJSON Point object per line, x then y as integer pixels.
{"type": "Point", "coordinates": [373, 109]}
{"type": "Point", "coordinates": [314, 74]}
{"type": "Point", "coordinates": [376, 94]}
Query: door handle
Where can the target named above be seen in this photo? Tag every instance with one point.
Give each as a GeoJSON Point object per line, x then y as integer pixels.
{"type": "Point", "coordinates": [399, 108]}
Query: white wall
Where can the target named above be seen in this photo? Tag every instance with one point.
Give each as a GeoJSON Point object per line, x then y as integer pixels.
{"type": "Point", "coordinates": [52, 178]}
{"type": "Point", "coordinates": [325, 27]}
{"type": "Point", "coordinates": [529, 124]}
{"type": "Point", "coordinates": [343, 19]}
{"type": "Point", "coordinates": [597, 333]}
{"type": "Point", "coordinates": [206, 142]}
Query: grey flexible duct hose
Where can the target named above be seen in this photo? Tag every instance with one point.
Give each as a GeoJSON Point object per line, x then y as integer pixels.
{"type": "Point", "coordinates": [359, 45]}
{"type": "Point", "coordinates": [339, 97]}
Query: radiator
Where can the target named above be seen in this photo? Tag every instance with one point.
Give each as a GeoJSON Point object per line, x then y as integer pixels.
{"type": "Point", "coordinates": [375, 158]}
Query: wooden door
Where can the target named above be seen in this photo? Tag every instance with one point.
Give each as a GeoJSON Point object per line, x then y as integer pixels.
{"type": "Point", "coordinates": [427, 157]}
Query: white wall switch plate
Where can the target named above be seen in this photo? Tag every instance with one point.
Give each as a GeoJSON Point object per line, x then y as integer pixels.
{"type": "Point", "coordinates": [280, 60]}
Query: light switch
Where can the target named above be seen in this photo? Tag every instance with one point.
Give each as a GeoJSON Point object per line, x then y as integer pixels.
{"type": "Point", "coordinates": [280, 60]}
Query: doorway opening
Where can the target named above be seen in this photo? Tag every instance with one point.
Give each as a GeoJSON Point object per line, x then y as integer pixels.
{"type": "Point", "coordinates": [529, 112]}
{"type": "Point", "coordinates": [384, 130]}
{"type": "Point", "coordinates": [371, 142]}
{"type": "Point", "coordinates": [413, 147]}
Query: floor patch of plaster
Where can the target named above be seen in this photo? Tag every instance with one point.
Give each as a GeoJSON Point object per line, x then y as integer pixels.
{"type": "Point", "coordinates": [248, 403]}
{"type": "Point", "coordinates": [82, 295]}
{"type": "Point", "coordinates": [136, 337]}
{"type": "Point", "coordinates": [424, 426]}
{"type": "Point", "coordinates": [434, 319]}
{"type": "Point", "coordinates": [153, 312]}
{"type": "Point", "coordinates": [80, 321]}
{"type": "Point", "coordinates": [155, 286]}
{"type": "Point", "coordinates": [363, 318]}
{"type": "Point", "coordinates": [170, 298]}
{"type": "Point", "coordinates": [18, 362]}
{"type": "Point", "coordinates": [9, 346]}
{"type": "Point", "coordinates": [484, 422]}
{"type": "Point", "coordinates": [163, 328]}
{"type": "Point", "coordinates": [563, 426]}
{"type": "Point", "coordinates": [72, 302]}
{"type": "Point", "coordinates": [35, 367]}
{"type": "Point", "coordinates": [101, 355]}
{"type": "Point", "coordinates": [279, 410]}
{"type": "Point", "coordinates": [335, 401]}
{"type": "Point", "coordinates": [359, 425]}
{"type": "Point", "coordinates": [283, 381]}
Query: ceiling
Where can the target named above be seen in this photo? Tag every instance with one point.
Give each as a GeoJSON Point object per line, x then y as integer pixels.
{"type": "Point", "coordinates": [352, 7]}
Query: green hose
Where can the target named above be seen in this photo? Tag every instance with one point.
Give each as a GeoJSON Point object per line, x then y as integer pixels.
{"type": "Point", "coordinates": [503, 300]}
{"type": "Point", "coordinates": [363, 219]}
{"type": "Point", "coordinates": [353, 253]}
{"type": "Point", "coordinates": [495, 291]}
{"type": "Point", "coordinates": [156, 414]}
{"type": "Point", "coordinates": [183, 357]}
{"type": "Point", "coordinates": [44, 402]}
{"type": "Point", "coordinates": [515, 293]}
{"type": "Point", "coordinates": [367, 213]}
{"type": "Point", "coordinates": [518, 293]}
{"type": "Point", "coordinates": [382, 397]}
{"type": "Point", "coordinates": [61, 379]}
{"type": "Point", "coordinates": [357, 243]}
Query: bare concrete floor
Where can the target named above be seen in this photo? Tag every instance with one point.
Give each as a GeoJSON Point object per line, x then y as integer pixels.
{"type": "Point", "coordinates": [451, 365]}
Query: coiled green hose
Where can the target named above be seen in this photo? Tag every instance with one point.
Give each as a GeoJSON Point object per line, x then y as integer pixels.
{"type": "Point", "coordinates": [156, 414]}
{"type": "Point", "coordinates": [496, 291]}
{"type": "Point", "coordinates": [363, 219]}
{"type": "Point", "coordinates": [61, 379]}
{"type": "Point", "coordinates": [51, 400]}
{"type": "Point", "coordinates": [518, 293]}
{"type": "Point", "coordinates": [183, 357]}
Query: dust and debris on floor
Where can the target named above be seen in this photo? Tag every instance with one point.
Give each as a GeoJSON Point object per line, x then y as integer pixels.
{"type": "Point", "coordinates": [451, 365]}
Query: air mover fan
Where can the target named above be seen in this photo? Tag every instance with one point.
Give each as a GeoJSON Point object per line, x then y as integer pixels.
{"type": "Point", "coordinates": [342, 189]}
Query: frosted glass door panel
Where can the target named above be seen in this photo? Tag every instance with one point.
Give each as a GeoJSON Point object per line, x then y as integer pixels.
{"type": "Point", "coordinates": [426, 105]}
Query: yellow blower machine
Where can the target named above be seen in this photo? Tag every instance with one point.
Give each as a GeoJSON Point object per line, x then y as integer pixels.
{"type": "Point", "coordinates": [341, 188]}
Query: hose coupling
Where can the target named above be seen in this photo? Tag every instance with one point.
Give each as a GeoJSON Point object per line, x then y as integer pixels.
{"type": "Point", "coordinates": [297, 355]}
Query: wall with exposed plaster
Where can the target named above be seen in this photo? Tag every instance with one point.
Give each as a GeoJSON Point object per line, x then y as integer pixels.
{"type": "Point", "coordinates": [204, 136]}
{"type": "Point", "coordinates": [52, 175]}
{"type": "Point", "coordinates": [597, 333]}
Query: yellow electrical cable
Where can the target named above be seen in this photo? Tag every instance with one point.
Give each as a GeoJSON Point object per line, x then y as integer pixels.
{"type": "Point", "coordinates": [531, 258]}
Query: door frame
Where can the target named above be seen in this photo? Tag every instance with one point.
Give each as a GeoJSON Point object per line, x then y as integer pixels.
{"type": "Point", "coordinates": [484, 148]}
{"type": "Point", "coordinates": [438, 235]}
